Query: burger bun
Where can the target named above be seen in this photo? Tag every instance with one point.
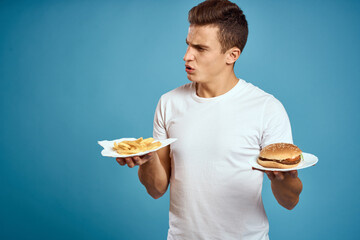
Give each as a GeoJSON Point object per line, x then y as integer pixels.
{"type": "Point", "coordinates": [280, 155]}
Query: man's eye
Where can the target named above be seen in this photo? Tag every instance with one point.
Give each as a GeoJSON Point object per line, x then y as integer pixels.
{"type": "Point", "coordinates": [201, 49]}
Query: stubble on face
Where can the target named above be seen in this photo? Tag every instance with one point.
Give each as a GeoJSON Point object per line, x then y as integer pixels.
{"type": "Point", "coordinates": [206, 64]}
{"type": "Point", "coordinates": [204, 54]}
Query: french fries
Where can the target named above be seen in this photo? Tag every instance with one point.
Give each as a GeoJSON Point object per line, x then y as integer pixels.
{"type": "Point", "coordinates": [136, 146]}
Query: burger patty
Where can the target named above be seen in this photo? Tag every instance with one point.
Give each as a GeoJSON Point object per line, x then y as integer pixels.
{"type": "Point", "coordinates": [289, 161]}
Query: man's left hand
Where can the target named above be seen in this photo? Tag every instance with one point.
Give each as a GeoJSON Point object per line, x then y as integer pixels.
{"type": "Point", "coordinates": [278, 175]}
{"type": "Point", "coordinates": [286, 186]}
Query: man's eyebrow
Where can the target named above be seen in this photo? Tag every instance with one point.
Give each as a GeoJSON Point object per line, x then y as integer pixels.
{"type": "Point", "coordinates": [196, 45]}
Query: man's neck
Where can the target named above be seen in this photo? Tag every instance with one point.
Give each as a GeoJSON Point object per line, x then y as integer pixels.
{"type": "Point", "coordinates": [217, 87]}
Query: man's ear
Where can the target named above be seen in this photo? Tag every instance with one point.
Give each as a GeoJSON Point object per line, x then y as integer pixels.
{"type": "Point", "coordinates": [232, 55]}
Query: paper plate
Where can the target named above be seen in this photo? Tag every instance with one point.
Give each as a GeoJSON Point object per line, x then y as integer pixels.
{"type": "Point", "coordinates": [109, 152]}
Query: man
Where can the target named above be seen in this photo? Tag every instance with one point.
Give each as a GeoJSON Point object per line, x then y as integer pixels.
{"type": "Point", "coordinates": [220, 122]}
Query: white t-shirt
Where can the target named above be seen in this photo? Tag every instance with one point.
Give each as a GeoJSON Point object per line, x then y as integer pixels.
{"type": "Point", "coordinates": [214, 193]}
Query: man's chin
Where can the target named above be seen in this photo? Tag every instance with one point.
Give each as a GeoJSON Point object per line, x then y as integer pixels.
{"type": "Point", "coordinates": [192, 78]}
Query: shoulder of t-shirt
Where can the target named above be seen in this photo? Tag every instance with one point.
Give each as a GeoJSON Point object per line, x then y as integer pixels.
{"type": "Point", "coordinates": [252, 91]}
{"type": "Point", "coordinates": [177, 93]}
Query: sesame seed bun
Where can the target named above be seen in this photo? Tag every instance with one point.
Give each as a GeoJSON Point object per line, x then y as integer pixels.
{"type": "Point", "coordinates": [280, 155]}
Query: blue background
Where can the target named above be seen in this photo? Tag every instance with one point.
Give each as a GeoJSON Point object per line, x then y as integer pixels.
{"type": "Point", "coordinates": [75, 72]}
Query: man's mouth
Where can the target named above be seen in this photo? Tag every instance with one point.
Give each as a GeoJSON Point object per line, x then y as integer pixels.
{"type": "Point", "coordinates": [189, 69]}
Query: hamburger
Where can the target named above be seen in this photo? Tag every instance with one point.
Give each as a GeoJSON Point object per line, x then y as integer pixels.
{"type": "Point", "coordinates": [280, 155]}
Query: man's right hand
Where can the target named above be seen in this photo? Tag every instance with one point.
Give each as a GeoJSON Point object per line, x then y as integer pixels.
{"type": "Point", "coordinates": [154, 170]}
{"type": "Point", "coordinates": [136, 161]}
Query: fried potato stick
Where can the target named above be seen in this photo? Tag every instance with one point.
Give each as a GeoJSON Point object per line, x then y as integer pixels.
{"type": "Point", "coordinates": [136, 146]}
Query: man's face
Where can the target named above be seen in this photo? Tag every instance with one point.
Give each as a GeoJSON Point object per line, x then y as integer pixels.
{"type": "Point", "coordinates": [203, 58]}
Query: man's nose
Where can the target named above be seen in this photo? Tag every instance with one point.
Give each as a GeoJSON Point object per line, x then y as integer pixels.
{"type": "Point", "coordinates": [188, 55]}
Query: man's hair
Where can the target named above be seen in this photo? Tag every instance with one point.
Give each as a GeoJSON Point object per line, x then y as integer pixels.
{"type": "Point", "coordinates": [227, 16]}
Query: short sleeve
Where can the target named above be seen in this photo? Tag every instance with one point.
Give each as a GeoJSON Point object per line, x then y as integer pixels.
{"type": "Point", "coordinates": [276, 123]}
{"type": "Point", "coordinates": [159, 130]}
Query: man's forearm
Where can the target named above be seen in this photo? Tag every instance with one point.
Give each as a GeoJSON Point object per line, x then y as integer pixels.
{"type": "Point", "coordinates": [154, 176]}
{"type": "Point", "coordinates": [287, 191]}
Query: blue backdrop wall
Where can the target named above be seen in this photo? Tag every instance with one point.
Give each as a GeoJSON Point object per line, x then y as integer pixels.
{"type": "Point", "coordinates": [75, 72]}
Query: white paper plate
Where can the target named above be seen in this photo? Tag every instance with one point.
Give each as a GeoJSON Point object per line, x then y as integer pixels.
{"type": "Point", "coordinates": [307, 161]}
{"type": "Point", "coordinates": [109, 152]}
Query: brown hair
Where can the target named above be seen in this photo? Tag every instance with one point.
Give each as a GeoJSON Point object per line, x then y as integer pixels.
{"type": "Point", "coordinates": [233, 27]}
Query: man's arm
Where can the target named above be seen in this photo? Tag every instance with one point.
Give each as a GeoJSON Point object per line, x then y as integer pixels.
{"type": "Point", "coordinates": [154, 170]}
{"type": "Point", "coordinates": [155, 174]}
{"type": "Point", "coordinates": [286, 187]}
